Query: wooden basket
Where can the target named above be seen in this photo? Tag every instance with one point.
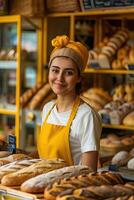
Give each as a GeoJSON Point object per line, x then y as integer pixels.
{"type": "Point", "coordinates": [62, 5]}
{"type": "Point", "coordinates": [27, 8]}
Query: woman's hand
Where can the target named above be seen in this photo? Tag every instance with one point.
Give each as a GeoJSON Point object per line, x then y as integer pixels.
{"type": "Point", "coordinates": [90, 159]}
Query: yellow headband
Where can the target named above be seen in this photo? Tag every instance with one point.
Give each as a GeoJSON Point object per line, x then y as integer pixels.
{"type": "Point", "coordinates": [64, 47]}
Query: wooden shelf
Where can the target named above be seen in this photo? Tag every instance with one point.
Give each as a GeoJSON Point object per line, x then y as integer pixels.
{"type": "Point", "coordinates": [7, 112]}
{"type": "Point", "coordinates": [122, 127]}
{"type": "Point", "coordinates": [108, 71]}
{"type": "Point", "coordinates": [98, 11]}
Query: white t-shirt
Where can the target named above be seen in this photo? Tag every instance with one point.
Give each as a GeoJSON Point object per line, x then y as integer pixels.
{"type": "Point", "coordinates": [85, 130]}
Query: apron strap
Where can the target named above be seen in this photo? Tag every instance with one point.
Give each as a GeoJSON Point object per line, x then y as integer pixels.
{"type": "Point", "coordinates": [74, 111]}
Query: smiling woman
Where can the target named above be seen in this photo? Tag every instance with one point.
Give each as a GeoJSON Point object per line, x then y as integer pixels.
{"type": "Point", "coordinates": [71, 129]}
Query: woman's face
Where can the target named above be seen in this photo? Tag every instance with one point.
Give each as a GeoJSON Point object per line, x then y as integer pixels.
{"type": "Point", "coordinates": [63, 76]}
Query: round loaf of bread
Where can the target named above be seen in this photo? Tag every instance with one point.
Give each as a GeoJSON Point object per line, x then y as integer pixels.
{"type": "Point", "coordinates": [121, 158]}
{"type": "Point", "coordinates": [130, 164]}
{"type": "Point", "coordinates": [127, 141]}
{"type": "Point", "coordinates": [129, 119]}
{"type": "Point", "coordinates": [112, 137]}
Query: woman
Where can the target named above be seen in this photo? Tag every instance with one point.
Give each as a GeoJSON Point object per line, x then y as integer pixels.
{"type": "Point", "coordinates": [70, 129]}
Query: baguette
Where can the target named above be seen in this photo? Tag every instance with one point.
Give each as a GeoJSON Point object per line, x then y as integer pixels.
{"type": "Point", "coordinates": [15, 166]}
{"type": "Point", "coordinates": [12, 158]}
{"type": "Point", "coordinates": [38, 183]}
{"type": "Point", "coordinates": [22, 175]}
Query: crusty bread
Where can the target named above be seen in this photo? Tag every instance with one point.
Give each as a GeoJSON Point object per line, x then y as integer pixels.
{"type": "Point", "coordinates": [38, 183]}
{"type": "Point", "coordinates": [40, 95]}
{"type": "Point", "coordinates": [129, 119]}
{"type": "Point", "coordinates": [12, 158]}
{"type": "Point", "coordinates": [83, 181]}
{"type": "Point", "coordinates": [15, 166]}
{"type": "Point", "coordinates": [121, 158]}
{"type": "Point", "coordinates": [97, 192]}
{"type": "Point", "coordinates": [35, 169]}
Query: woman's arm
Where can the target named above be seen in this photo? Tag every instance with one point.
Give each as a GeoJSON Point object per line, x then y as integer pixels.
{"type": "Point", "coordinates": [90, 159]}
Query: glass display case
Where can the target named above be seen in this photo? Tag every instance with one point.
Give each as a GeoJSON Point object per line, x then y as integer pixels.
{"type": "Point", "coordinates": [20, 67]}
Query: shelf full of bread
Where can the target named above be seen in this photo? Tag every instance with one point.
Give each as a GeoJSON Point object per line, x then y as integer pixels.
{"type": "Point", "coordinates": [25, 177]}
{"type": "Point", "coordinates": [113, 54]}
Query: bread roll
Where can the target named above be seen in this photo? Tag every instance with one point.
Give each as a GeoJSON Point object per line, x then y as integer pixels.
{"type": "Point", "coordinates": [129, 119]}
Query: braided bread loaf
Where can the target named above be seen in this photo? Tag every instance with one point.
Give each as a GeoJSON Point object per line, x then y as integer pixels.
{"type": "Point", "coordinates": [35, 169]}
{"type": "Point", "coordinates": [38, 183]}
{"type": "Point", "coordinates": [96, 179]}
{"type": "Point", "coordinates": [98, 192]}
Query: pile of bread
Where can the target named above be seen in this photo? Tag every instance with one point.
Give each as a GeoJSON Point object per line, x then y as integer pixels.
{"type": "Point", "coordinates": [108, 47]}
{"type": "Point", "coordinates": [124, 158]}
{"type": "Point", "coordinates": [96, 97]}
{"type": "Point", "coordinates": [9, 54]}
{"type": "Point", "coordinates": [118, 112]}
{"type": "Point", "coordinates": [124, 92]}
{"type": "Point", "coordinates": [37, 96]}
{"type": "Point", "coordinates": [116, 143]}
{"type": "Point", "coordinates": [58, 181]}
{"type": "Point", "coordinates": [124, 58]}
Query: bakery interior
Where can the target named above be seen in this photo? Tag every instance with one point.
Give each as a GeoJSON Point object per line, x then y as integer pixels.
{"type": "Point", "coordinates": [26, 30]}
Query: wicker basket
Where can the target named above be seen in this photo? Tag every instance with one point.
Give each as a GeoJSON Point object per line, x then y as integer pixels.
{"type": "Point", "coordinates": [27, 8]}
{"type": "Point", "coordinates": [62, 5]}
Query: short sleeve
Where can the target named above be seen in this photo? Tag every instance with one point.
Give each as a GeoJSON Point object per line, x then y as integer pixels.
{"type": "Point", "coordinates": [91, 131]}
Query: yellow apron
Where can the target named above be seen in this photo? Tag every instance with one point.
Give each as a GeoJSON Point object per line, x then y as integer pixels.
{"type": "Point", "coordinates": [53, 140]}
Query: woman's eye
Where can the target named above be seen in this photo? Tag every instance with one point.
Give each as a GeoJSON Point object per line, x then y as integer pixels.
{"type": "Point", "coordinates": [69, 73]}
{"type": "Point", "coordinates": [55, 70]}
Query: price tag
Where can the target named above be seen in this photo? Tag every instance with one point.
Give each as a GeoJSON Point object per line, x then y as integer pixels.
{"type": "Point", "coordinates": [11, 144]}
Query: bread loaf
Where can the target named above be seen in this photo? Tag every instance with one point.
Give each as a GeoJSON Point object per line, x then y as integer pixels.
{"type": "Point", "coordinates": [129, 119]}
{"type": "Point", "coordinates": [4, 154]}
{"type": "Point", "coordinates": [22, 175]}
{"type": "Point", "coordinates": [130, 164]}
{"type": "Point", "coordinates": [97, 192]}
{"type": "Point", "coordinates": [12, 158]}
{"type": "Point", "coordinates": [15, 166]}
{"type": "Point", "coordinates": [99, 178]}
{"type": "Point", "coordinates": [38, 98]}
{"type": "Point", "coordinates": [121, 158]}
{"type": "Point", "coordinates": [38, 183]}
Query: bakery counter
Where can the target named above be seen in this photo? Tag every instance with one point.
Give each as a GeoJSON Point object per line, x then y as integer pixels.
{"type": "Point", "coordinates": [7, 193]}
